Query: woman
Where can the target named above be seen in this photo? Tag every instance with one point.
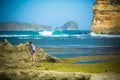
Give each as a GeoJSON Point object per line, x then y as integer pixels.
{"type": "Point", "coordinates": [33, 51]}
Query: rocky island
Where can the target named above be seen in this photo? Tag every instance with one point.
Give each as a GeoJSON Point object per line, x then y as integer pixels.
{"type": "Point", "coordinates": [18, 26]}
{"type": "Point", "coordinates": [106, 18]}
{"type": "Point", "coordinates": [70, 25]}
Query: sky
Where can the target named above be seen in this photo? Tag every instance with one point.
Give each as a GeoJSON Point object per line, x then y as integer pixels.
{"type": "Point", "coordinates": [53, 13]}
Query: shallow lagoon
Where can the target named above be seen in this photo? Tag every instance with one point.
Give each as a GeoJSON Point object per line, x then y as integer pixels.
{"type": "Point", "coordinates": [79, 51]}
{"type": "Point", "coordinates": [90, 61]}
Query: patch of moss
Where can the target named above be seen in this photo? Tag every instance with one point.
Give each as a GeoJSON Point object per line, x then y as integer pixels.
{"type": "Point", "coordinates": [67, 66]}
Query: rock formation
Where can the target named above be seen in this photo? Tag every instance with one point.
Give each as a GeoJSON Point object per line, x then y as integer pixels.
{"type": "Point", "coordinates": [13, 56]}
{"type": "Point", "coordinates": [106, 18]}
{"type": "Point", "coordinates": [15, 64]}
{"type": "Point", "coordinates": [70, 25]}
{"type": "Point", "coordinates": [41, 75]}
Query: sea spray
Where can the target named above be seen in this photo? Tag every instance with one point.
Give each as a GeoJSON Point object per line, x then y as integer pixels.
{"type": "Point", "coordinates": [46, 33]}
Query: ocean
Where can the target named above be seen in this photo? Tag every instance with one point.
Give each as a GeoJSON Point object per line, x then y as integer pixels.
{"type": "Point", "coordinates": [67, 43]}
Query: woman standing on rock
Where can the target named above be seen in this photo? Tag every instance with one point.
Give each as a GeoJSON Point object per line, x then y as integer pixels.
{"type": "Point", "coordinates": [33, 51]}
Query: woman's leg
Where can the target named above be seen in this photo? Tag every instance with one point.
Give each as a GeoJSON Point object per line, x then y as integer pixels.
{"type": "Point", "coordinates": [33, 57]}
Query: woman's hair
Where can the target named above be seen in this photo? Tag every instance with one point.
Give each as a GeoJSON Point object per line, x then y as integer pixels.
{"type": "Point", "coordinates": [30, 42]}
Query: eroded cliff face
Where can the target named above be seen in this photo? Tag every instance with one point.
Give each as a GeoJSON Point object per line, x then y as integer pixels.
{"type": "Point", "coordinates": [106, 18]}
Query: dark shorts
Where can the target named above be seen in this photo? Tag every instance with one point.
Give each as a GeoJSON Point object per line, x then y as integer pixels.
{"type": "Point", "coordinates": [33, 51]}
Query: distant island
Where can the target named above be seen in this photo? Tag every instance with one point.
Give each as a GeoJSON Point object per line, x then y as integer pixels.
{"type": "Point", "coordinates": [18, 26]}
{"type": "Point", "coordinates": [70, 25]}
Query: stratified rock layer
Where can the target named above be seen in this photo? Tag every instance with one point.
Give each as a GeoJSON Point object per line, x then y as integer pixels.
{"type": "Point", "coordinates": [106, 17]}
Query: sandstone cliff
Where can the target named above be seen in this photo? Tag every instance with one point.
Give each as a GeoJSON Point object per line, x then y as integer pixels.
{"type": "Point", "coordinates": [106, 18]}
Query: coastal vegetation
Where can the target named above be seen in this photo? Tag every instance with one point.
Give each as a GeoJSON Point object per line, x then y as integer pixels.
{"type": "Point", "coordinates": [113, 65]}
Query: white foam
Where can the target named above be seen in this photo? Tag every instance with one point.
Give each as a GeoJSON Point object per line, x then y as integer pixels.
{"type": "Point", "coordinates": [14, 35]}
{"type": "Point", "coordinates": [50, 34]}
{"type": "Point", "coordinates": [46, 33]}
{"type": "Point", "coordinates": [104, 35]}
{"type": "Point", "coordinates": [62, 35]}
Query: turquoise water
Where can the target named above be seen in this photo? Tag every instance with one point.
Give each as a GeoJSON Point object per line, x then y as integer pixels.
{"type": "Point", "coordinates": [90, 61]}
{"type": "Point", "coordinates": [64, 44]}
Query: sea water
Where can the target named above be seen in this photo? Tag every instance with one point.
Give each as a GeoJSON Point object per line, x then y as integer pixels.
{"type": "Point", "coordinates": [67, 43]}
{"type": "Point", "coordinates": [90, 61]}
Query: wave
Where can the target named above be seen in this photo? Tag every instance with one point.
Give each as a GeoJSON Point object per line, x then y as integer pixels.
{"type": "Point", "coordinates": [46, 33]}
{"type": "Point", "coordinates": [14, 35]}
{"type": "Point", "coordinates": [103, 35]}
{"type": "Point", "coordinates": [65, 33]}
{"type": "Point", "coordinates": [52, 34]}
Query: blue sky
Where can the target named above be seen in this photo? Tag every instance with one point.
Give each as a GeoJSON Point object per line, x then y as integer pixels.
{"type": "Point", "coordinates": [53, 13]}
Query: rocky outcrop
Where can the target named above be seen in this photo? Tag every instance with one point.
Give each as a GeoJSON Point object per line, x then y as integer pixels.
{"type": "Point", "coordinates": [106, 18]}
{"type": "Point", "coordinates": [19, 55]}
{"type": "Point", "coordinates": [15, 64]}
{"type": "Point", "coordinates": [71, 25]}
{"type": "Point", "coordinates": [16, 26]}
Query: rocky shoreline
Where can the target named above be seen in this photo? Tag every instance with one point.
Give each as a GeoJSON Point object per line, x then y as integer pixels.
{"type": "Point", "coordinates": [41, 75]}
{"type": "Point", "coordinates": [15, 64]}
{"type": "Point", "coordinates": [105, 76]}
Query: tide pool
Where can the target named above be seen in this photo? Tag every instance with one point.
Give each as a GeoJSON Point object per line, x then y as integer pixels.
{"type": "Point", "coordinates": [90, 61]}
